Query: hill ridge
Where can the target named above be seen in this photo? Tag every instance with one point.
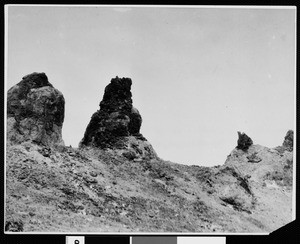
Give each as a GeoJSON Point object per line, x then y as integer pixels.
{"type": "Point", "coordinates": [122, 187]}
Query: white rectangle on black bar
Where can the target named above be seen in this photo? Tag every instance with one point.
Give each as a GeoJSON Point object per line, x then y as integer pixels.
{"type": "Point", "coordinates": [74, 239]}
{"type": "Point", "coordinates": [201, 240]}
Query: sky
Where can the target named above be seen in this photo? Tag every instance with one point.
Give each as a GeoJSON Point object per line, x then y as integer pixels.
{"type": "Point", "coordinates": [199, 74]}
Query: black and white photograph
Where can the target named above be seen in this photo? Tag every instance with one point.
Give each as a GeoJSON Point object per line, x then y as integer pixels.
{"type": "Point", "coordinates": [147, 119]}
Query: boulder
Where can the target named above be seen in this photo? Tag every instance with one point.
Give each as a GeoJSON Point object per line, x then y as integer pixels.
{"type": "Point", "coordinates": [244, 141]}
{"type": "Point", "coordinates": [116, 125]}
{"type": "Point", "coordinates": [35, 111]}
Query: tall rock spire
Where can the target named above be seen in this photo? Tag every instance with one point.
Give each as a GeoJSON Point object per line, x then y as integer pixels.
{"type": "Point", "coordinates": [117, 124]}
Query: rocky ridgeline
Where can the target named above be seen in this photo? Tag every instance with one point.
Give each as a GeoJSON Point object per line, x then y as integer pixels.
{"type": "Point", "coordinates": [117, 124]}
{"type": "Point", "coordinates": [247, 152]}
{"type": "Point", "coordinates": [50, 188]}
{"type": "Point", "coordinates": [35, 111]}
{"type": "Point", "coordinates": [245, 142]}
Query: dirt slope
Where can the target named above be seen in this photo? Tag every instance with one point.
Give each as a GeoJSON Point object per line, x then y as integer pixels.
{"type": "Point", "coordinates": [63, 189]}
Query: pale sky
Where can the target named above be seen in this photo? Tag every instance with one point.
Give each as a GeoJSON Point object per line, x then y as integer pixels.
{"type": "Point", "coordinates": [199, 74]}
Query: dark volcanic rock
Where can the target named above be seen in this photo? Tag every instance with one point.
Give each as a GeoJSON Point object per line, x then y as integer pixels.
{"type": "Point", "coordinates": [35, 111]}
{"type": "Point", "coordinates": [288, 140]}
{"type": "Point", "coordinates": [117, 124]}
{"type": "Point", "coordinates": [244, 141]}
{"type": "Point", "coordinates": [14, 226]}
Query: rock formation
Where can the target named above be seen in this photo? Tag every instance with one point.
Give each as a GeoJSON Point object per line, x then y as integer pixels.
{"type": "Point", "coordinates": [117, 124]}
{"type": "Point", "coordinates": [244, 141]}
{"type": "Point", "coordinates": [35, 111]}
{"type": "Point", "coordinates": [288, 140]}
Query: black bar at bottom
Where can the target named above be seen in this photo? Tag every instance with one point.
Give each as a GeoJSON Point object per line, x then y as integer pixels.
{"type": "Point", "coordinates": [34, 239]}
{"type": "Point", "coordinates": [94, 239]}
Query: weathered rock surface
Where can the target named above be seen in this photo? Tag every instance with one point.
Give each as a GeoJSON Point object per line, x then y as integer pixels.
{"type": "Point", "coordinates": [102, 191]}
{"type": "Point", "coordinates": [117, 124]}
{"type": "Point", "coordinates": [35, 111]}
{"type": "Point", "coordinates": [288, 140]}
{"type": "Point", "coordinates": [244, 141]}
{"type": "Point", "coordinates": [264, 165]}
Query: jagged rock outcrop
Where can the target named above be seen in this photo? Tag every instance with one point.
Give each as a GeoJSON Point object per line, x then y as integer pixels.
{"type": "Point", "coordinates": [270, 167]}
{"type": "Point", "coordinates": [288, 140]}
{"type": "Point", "coordinates": [35, 111]}
{"type": "Point", "coordinates": [117, 124]}
{"type": "Point", "coordinates": [244, 141]}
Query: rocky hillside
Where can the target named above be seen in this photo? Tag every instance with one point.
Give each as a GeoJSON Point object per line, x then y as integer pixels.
{"type": "Point", "coordinates": [115, 182]}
